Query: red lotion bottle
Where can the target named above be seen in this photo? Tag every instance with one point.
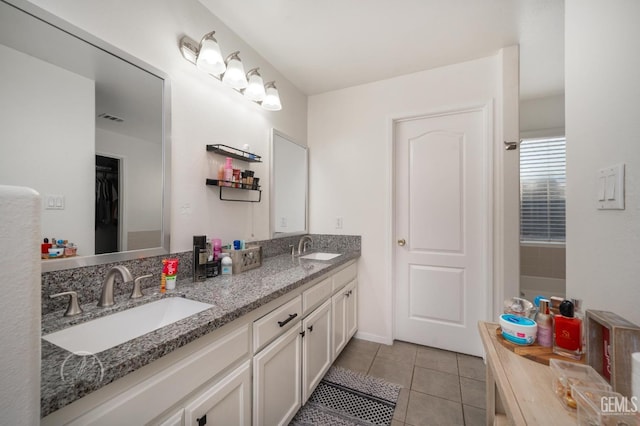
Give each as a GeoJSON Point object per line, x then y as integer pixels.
{"type": "Point", "coordinates": [567, 332]}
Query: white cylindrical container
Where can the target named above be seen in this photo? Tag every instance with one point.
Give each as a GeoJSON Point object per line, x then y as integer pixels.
{"type": "Point", "coordinates": [517, 329]}
{"type": "Point", "coordinates": [227, 264]}
{"type": "Point", "coordinates": [635, 375]}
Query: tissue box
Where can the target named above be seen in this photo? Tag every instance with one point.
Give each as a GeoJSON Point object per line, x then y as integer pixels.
{"type": "Point", "coordinates": [246, 259]}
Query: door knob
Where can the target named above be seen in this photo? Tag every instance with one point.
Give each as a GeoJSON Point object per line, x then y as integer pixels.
{"type": "Point", "coordinates": [402, 242]}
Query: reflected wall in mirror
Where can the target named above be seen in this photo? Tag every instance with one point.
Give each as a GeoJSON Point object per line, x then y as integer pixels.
{"type": "Point", "coordinates": [84, 125]}
{"type": "Point", "coordinates": [289, 186]}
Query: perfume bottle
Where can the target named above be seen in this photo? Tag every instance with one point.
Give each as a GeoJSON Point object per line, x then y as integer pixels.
{"type": "Point", "coordinates": [568, 332]}
{"type": "Point", "coordinates": [545, 324]}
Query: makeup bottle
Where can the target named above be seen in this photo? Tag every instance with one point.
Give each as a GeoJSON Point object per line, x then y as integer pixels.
{"type": "Point", "coordinates": [545, 324]}
{"type": "Point", "coordinates": [568, 332]}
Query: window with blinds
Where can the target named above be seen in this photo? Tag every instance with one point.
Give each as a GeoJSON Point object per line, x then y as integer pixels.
{"type": "Point", "coordinates": [542, 190]}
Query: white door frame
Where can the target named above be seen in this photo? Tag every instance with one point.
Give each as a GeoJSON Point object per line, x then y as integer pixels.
{"type": "Point", "coordinates": [487, 108]}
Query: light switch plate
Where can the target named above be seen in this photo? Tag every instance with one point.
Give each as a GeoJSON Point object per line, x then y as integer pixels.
{"type": "Point", "coordinates": [53, 202]}
{"type": "Point", "coordinates": [610, 188]}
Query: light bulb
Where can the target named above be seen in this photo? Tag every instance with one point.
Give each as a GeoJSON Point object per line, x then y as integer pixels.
{"type": "Point", "coordinates": [234, 75]}
{"type": "Point", "coordinates": [255, 90]}
{"type": "Point", "coordinates": [271, 101]}
{"type": "Point", "coordinates": [209, 56]}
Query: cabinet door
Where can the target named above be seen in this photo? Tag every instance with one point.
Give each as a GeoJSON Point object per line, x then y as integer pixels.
{"type": "Point", "coordinates": [228, 402]}
{"type": "Point", "coordinates": [277, 380]}
{"type": "Point", "coordinates": [316, 348]}
{"type": "Point", "coordinates": [338, 322]}
{"type": "Point", "coordinates": [352, 309]}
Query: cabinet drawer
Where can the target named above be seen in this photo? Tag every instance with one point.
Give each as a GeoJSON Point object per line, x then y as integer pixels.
{"type": "Point", "coordinates": [346, 275]}
{"type": "Point", "coordinates": [276, 322]}
{"type": "Point", "coordinates": [316, 295]}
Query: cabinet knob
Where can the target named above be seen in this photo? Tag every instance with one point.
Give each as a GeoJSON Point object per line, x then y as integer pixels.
{"type": "Point", "coordinates": [310, 328]}
{"type": "Point", "coordinates": [402, 242]}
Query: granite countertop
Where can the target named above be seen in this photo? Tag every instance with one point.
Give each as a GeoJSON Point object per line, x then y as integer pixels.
{"type": "Point", "coordinates": [231, 296]}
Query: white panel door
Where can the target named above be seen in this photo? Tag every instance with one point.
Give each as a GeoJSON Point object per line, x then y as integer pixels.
{"type": "Point", "coordinates": [442, 205]}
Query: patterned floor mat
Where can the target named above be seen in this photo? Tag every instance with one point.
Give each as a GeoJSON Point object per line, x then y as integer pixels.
{"type": "Point", "coordinates": [346, 398]}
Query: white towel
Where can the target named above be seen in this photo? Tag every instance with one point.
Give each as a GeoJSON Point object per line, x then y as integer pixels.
{"type": "Point", "coordinates": [20, 305]}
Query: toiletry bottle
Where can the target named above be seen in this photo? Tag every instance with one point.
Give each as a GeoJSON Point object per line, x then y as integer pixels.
{"type": "Point", "coordinates": [228, 171]}
{"type": "Point", "coordinates": [545, 324]}
{"type": "Point", "coordinates": [227, 264]}
{"type": "Point", "coordinates": [217, 248]}
{"type": "Point", "coordinates": [568, 332]}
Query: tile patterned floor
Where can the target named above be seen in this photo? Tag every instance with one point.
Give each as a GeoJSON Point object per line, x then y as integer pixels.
{"type": "Point", "coordinates": [439, 387]}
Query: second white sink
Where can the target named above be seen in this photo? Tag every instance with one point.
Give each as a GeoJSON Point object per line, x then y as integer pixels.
{"type": "Point", "coordinates": [109, 331]}
{"type": "Point", "coordinates": [320, 256]}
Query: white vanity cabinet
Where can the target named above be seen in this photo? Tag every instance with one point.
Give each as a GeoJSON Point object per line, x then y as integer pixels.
{"type": "Point", "coordinates": [259, 369]}
{"type": "Point", "coordinates": [286, 371]}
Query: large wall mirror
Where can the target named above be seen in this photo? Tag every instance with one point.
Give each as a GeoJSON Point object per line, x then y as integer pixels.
{"type": "Point", "coordinates": [289, 185]}
{"type": "Point", "coordinates": [86, 126]}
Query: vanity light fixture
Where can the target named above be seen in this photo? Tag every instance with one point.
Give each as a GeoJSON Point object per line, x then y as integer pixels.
{"type": "Point", "coordinates": [271, 101]}
{"type": "Point", "coordinates": [207, 56]}
{"type": "Point", "coordinates": [234, 75]}
{"type": "Point", "coordinates": [255, 90]}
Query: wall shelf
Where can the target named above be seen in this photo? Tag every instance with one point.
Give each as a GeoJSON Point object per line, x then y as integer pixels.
{"type": "Point", "coordinates": [221, 184]}
{"type": "Point", "coordinates": [238, 154]}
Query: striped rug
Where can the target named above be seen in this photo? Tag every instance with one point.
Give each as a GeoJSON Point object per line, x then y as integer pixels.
{"type": "Point", "coordinates": [344, 397]}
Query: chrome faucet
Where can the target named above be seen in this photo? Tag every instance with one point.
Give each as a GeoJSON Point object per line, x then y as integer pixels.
{"type": "Point", "coordinates": [302, 244]}
{"type": "Point", "coordinates": [106, 299]}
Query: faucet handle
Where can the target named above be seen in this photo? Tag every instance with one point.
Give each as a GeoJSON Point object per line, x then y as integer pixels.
{"type": "Point", "coordinates": [293, 249]}
{"type": "Point", "coordinates": [137, 291]}
{"type": "Point", "coordinates": [73, 308]}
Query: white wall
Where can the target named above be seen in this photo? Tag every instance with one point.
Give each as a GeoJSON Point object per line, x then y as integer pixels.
{"type": "Point", "coordinates": [602, 91]}
{"type": "Point", "coordinates": [46, 125]}
{"type": "Point", "coordinates": [203, 110]}
{"type": "Point", "coordinates": [349, 143]}
{"type": "Point", "coordinates": [542, 117]}
{"type": "Point", "coordinates": [142, 191]}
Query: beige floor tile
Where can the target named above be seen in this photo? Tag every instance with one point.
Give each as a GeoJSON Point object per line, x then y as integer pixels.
{"type": "Point", "coordinates": [430, 410]}
{"type": "Point", "coordinates": [437, 359]}
{"type": "Point", "coordinates": [401, 406]}
{"type": "Point", "coordinates": [471, 367]}
{"type": "Point", "coordinates": [474, 416]}
{"type": "Point", "coordinates": [354, 361]}
{"type": "Point", "coordinates": [473, 392]}
{"type": "Point", "coordinates": [363, 346]}
{"type": "Point", "coordinates": [393, 372]}
{"type": "Point", "coordinates": [396, 423]}
{"type": "Point", "coordinates": [398, 352]}
{"type": "Point", "coordinates": [436, 383]}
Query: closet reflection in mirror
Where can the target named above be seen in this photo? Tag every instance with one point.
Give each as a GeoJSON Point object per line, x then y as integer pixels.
{"type": "Point", "coordinates": [84, 128]}
{"type": "Point", "coordinates": [289, 176]}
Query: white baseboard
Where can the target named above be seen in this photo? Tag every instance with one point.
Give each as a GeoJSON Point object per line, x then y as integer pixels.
{"type": "Point", "coordinates": [384, 340]}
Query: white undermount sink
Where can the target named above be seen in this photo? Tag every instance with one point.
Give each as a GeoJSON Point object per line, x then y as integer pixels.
{"type": "Point", "coordinates": [320, 256]}
{"type": "Point", "coordinates": [103, 333]}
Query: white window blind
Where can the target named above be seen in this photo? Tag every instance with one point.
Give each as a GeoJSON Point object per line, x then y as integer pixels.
{"type": "Point", "coordinates": [542, 190]}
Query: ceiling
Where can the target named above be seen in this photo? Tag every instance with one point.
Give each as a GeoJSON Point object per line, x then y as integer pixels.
{"type": "Point", "coordinates": [327, 45]}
